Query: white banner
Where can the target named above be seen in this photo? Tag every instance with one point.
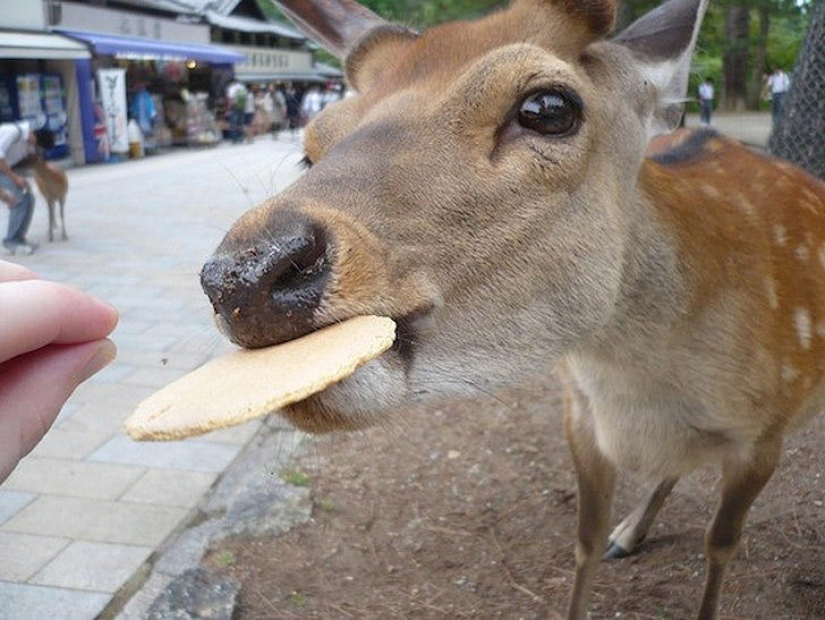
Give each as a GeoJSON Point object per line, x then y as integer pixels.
{"type": "Point", "coordinates": [112, 84]}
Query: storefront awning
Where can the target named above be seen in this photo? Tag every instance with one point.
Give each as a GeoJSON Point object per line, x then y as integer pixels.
{"type": "Point", "coordinates": [41, 46]}
{"type": "Point", "coordinates": [302, 76]}
{"type": "Point", "coordinates": [133, 47]}
{"type": "Point", "coordinates": [320, 73]}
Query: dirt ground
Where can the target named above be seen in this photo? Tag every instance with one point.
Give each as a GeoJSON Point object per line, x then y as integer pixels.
{"type": "Point", "coordinates": [467, 510]}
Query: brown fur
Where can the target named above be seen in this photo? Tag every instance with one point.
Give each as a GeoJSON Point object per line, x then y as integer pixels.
{"type": "Point", "coordinates": [54, 186]}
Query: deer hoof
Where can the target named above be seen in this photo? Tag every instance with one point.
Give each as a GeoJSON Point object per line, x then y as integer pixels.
{"type": "Point", "coordinates": [615, 551]}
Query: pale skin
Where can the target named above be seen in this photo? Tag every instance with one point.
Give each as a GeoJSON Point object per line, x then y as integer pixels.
{"type": "Point", "coordinates": [52, 338]}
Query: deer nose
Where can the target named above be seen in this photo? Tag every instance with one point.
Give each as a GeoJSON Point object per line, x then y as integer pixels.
{"type": "Point", "coordinates": [266, 291]}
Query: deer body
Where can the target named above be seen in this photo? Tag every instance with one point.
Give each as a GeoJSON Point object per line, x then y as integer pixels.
{"type": "Point", "coordinates": [488, 188]}
{"type": "Point", "coordinates": [53, 185]}
{"type": "Point", "coordinates": [727, 344]}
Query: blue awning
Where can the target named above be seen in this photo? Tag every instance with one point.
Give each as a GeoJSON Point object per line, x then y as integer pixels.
{"type": "Point", "coordinates": [133, 47]}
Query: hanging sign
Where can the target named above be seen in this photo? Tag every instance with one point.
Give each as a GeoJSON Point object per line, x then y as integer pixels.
{"type": "Point", "coordinates": [112, 84]}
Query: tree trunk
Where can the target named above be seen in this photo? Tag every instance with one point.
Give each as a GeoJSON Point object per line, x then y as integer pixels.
{"type": "Point", "coordinates": [735, 59]}
{"type": "Point", "coordinates": [800, 135]}
{"type": "Point", "coordinates": [758, 72]}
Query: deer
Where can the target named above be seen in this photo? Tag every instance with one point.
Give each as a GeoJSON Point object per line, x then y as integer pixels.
{"type": "Point", "coordinates": [53, 184]}
{"type": "Point", "coordinates": [489, 188]}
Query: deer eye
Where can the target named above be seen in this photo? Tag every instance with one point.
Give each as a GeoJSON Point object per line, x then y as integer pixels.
{"type": "Point", "coordinates": [551, 112]}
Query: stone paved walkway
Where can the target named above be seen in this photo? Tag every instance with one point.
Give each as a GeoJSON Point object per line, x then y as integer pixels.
{"type": "Point", "coordinates": [87, 508]}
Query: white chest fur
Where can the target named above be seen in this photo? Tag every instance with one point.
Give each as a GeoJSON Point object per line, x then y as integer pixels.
{"type": "Point", "coordinates": [645, 424]}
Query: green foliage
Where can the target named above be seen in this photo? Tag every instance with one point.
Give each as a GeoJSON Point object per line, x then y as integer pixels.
{"type": "Point", "coordinates": [225, 558]}
{"type": "Point", "coordinates": [295, 478]}
{"type": "Point", "coordinates": [788, 24]}
{"type": "Point", "coordinates": [785, 39]}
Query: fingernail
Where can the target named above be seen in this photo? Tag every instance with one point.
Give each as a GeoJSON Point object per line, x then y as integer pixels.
{"type": "Point", "coordinates": [103, 356]}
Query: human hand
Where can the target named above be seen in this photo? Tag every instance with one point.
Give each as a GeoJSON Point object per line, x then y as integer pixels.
{"type": "Point", "coordinates": [52, 338]}
{"type": "Point", "coordinates": [21, 182]}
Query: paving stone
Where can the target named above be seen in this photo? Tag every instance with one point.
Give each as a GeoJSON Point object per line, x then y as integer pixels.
{"type": "Point", "coordinates": [170, 487]}
{"type": "Point", "coordinates": [200, 325]}
{"type": "Point", "coordinates": [24, 554]}
{"type": "Point", "coordinates": [100, 417]}
{"type": "Point", "coordinates": [182, 360]}
{"type": "Point", "coordinates": [189, 455]}
{"type": "Point", "coordinates": [13, 501]}
{"type": "Point", "coordinates": [235, 435]}
{"type": "Point", "coordinates": [97, 520]}
{"type": "Point", "coordinates": [30, 602]}
{"type": "Point", "coordinates": [67, 411]}
{"type": "Point", "coordinates": [72, 478]}
{"type": "Point", "coordinates": [140, 342]}
{"type": "Point", "coordinates": [61, 444]}
{"type": "Point", "coordinates": [101, 567]}
{"type": "Point", "coordinates": [100, 395]}
{"type": "Point", "coordinates": [115, 372]}
{"type": "Point", "coordinates": [154, 377]}
{"type": "Point", "coordinates": [131, 325]}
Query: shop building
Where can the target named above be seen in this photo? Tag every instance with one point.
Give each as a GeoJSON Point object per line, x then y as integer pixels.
{"type": "Point", "coordinates": [38, 81]}
{"type": "Point", "coordinates": [78, 66]}
{"type": "Point", "coordinates": [165, 57]}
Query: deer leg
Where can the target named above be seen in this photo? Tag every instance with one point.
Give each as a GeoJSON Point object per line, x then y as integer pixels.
{"type": "Point", "coordinates": [596, 480]}
{"type": "Point", "coordinates": [633, 529]}
{"type": "Point", "coordinates": [63, 220]}
{"type": "Point", "coordinates": [51, 220]}
{"type": "Point", "coordinates": [743, 478]}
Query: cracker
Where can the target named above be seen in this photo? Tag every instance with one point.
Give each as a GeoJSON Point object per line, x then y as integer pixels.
{"type": "Point", "coordinates": [251, 383]}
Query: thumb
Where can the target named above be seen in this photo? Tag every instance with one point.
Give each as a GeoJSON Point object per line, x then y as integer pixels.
{"type": "Point", "coordinates": [33, 389]}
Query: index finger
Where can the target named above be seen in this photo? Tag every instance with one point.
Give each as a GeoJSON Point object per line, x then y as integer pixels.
{"type": "Point", "coordinates": [10, 272]}
{"type": "Point", "coordinates": [34, 313]}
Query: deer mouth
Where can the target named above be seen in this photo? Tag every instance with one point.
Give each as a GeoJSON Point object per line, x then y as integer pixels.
{"type": "Point", "coordinates": [363, 399]}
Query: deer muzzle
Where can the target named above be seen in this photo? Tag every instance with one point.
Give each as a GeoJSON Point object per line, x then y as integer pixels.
{"type": "Point", "coordinates": [265, 290]}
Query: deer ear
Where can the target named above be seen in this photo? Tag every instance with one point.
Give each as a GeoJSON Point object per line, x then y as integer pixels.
{"type": "Point", "coordinates": [662, 42]}
{"type": "Point", "coordinates": [374, 53]}
{"type": "Point", "coordinates": [334, 24]}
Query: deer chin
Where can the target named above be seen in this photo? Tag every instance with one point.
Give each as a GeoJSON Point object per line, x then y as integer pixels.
{"type": "Point", "coordinates": [361, 400]}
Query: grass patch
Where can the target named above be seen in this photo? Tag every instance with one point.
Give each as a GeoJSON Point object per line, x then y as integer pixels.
{"type": "Point", "coordinates": [295, 478]}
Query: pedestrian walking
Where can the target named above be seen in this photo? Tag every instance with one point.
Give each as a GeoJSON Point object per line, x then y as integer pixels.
{"type": "Point", "coordinates": [706, 101]}
{"type": "Point", "coordinates": [17, 141]}
{"type": "Point", "coordinates": [779, 83]}
{"type": "Point", "coordinates": [236, 96]}
{"type": "Point", "coordinates": [293, 108]}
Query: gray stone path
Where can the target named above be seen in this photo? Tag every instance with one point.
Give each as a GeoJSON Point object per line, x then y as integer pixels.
{"type": "Point", "coordinates": [88, 507]}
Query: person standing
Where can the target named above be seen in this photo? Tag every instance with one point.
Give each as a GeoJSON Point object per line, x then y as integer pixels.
{"type": "Point", "coordinates": [236, 96]}
{"type": "Point", "coordinates": [706, 101]}
{"type": "Point", "coordinates": [779, 84]}
{"type": "Point", "coordinates": [293, 108]}
{"type": "Point", "coordinates": [17, 141]}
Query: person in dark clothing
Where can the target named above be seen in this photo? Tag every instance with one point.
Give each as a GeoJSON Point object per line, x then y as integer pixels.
{"type": "Point", "coordinates": [293, 108]}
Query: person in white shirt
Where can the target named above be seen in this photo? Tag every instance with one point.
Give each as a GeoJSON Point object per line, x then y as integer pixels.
{"type": "Point", "coordinates": [779, 84]}
{"type": "Point", "coordinates": [17, 141]}
{"type": "Point", "coordinates": [313, 103]}
{"type": "Point", "coordinates": [706, 100]}
{"type": "Point", "coordinates": [236, 96]}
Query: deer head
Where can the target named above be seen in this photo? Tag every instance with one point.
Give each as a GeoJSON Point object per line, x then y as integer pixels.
{"type": "Point", "coordinates": [481, 188]}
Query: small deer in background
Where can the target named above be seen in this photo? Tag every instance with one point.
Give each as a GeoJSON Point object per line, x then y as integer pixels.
{"type": "Point", "coordinates": [489, 189]}
{"type": "Point", "coordinates": [54, 185]}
